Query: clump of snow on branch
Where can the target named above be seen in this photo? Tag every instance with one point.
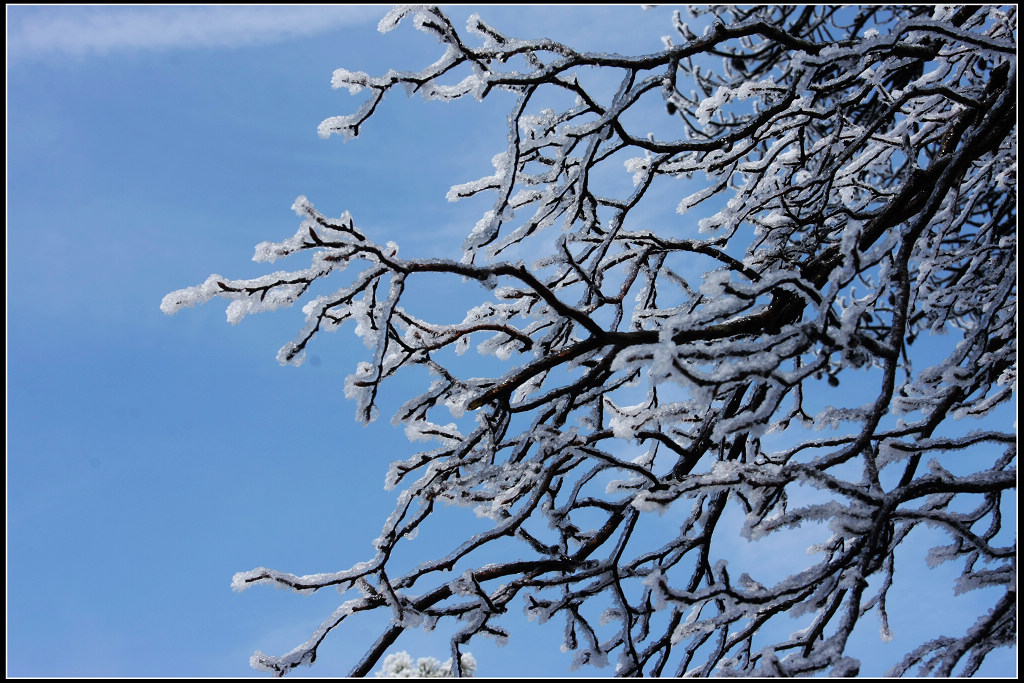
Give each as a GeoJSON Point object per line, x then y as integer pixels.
{"type": "Point", "coordinates": [400, 665]}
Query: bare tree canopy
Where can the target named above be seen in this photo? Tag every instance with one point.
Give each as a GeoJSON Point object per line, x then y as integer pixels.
{"type": "Point", "coordinates": [728, 334]}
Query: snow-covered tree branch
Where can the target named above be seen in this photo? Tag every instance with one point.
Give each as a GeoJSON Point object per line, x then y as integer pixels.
{"type": "Point", "coordinates": [768, 344]}
{"type": "Point", "coordinates": [399, 665]}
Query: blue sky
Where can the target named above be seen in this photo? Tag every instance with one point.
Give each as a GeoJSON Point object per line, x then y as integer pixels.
{"type": "Point", "coordinates": [152, 457]}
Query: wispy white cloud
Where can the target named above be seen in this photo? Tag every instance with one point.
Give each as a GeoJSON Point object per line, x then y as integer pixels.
{"type": "Point", "coordinates": [34, 32]}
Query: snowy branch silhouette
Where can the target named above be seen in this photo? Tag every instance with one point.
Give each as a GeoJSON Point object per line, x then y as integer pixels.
{"type": "Point", "coordinates": [844, 184]}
